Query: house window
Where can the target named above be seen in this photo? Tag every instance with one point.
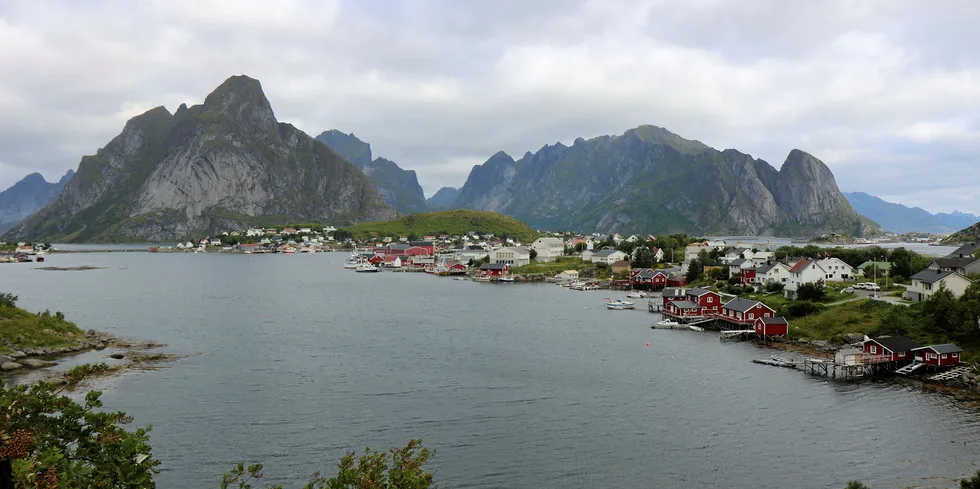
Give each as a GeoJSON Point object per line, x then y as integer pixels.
{"type": "Point", "coordinates": [954, 355]}
{"type": "Point", "coordinates": [874, 350]}
{"type": "Point", "coordinates": [751, 316]}
{"type": "Point", "coordinates": [944, 356]}
{"type": "Point", "coordinates": [765, 315]}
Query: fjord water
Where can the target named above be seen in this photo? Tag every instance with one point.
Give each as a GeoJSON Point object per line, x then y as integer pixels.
{"type": "Point", "coordinates": [292, 360]}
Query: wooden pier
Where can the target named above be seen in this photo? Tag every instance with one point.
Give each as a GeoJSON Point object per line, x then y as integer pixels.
{"type": "Point", "coordinates": [849, 364]}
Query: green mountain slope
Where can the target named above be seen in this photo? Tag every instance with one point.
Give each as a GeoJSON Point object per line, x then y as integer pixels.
{"type": "Point", "coordinates": [454, 222]}
{"type": "Point", "coordinates": [968, 235]}
{"type": "Point", "coordinates": [212, 167]}
{"type": "Point", "coordinates": [652, 181]}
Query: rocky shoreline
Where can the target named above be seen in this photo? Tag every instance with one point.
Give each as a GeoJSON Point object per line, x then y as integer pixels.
{"type": "Point", "coordinates": [38, 361]}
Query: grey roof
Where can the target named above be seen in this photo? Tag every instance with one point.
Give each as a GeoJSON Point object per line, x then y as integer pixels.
{"type": "Point", "coordinates": [648, 273]}
{"type": "Point", "coordinates": [932, 276]}
{"type": "Point", "coordinates": [493, 266]}
{"type": "Point", "coordinates": [740, 251]}
{"type": "Point", "coordinates": [764, 269]}
{"type": "Point", "coordinates": [740, 305]}
{"type": "Point", "coordinates": [698, 292]}
{"type": "Point", "coordinates": [774, 320]}
{"type": "Point", "coordinates": [896, 343]}
{"type": "Point", "coordinates": [954, 262]}
{"type": "Point", "coordinates": [401, 247]}
{"type": "Point", "coordinates": [944, 348]}
{"type": "Point", "coordinates": [674, 292]}
{"type": "Point", "coordinates": [604, 253]}
{"type": "Point", "coordinates": [967, 249]}
{"type": "Point", "coordinates": [686, 305]}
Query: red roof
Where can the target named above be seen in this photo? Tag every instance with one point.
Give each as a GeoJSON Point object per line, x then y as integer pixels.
{"type": "Point", "coordinates": [799, 267]}
{"type": "Point", "coordinates": [390, 259]}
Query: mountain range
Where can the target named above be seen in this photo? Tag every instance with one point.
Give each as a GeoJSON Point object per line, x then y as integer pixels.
{"type": "Point", "coordinates": [224, 164]}
{"type": "Point", "coordinates": [27, 197]}
{"type": "Point", "coordinates": [901, 219]}
{"type": "Point", "coordinates": [399, 188]}
{"type": "Point", "coordinates": [228, 163]}
{"type": "Point", "coordinates": [653, 181]}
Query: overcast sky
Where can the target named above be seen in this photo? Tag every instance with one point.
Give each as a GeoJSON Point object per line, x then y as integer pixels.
{"type": "Point", "coordinates": [885, 92]}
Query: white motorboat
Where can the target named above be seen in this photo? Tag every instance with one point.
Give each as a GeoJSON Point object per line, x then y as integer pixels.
{"type": "Point", "coordinates": [351, 264]}
{"type": "Point", "coordinates": [367, 268]}
{"type": "Point", "coordinates": [506, 279]}
{"type": "Point", "coordinates": [695, 328]}
{"type": "Point", "coordinates": [667, 322]}
{"type": "Point", "coordinates": [619, 304]}
{"type": "Point", "coordinates": [636, 294]}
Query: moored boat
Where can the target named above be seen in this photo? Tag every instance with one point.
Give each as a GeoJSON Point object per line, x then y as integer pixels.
{"type": "Point", "coordinates": [695, 328]}
{"type": "Point", "coordinates": [367, 268]}
{"type": "Point", "coordinates": [619, 304]}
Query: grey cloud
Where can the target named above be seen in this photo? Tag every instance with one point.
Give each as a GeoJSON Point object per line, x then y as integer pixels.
{"type": "Point", "coordinates": [884, 92]}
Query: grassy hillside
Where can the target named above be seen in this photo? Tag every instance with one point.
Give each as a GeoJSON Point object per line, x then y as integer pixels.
{"type": "Point", "coordinates": [968, 235]}
{"type": "Point", "coordinates": [25, 329]}
{"type": "Point", "coordinates": [446, 222]}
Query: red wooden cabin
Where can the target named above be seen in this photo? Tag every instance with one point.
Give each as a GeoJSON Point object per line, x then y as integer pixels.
{"type": "Point", "coordinates": [896, 348]}
{"type": "Point", "coordinates": [945, 355]}
{"type": "Point", "coordinates": [771, 326]}
{"type": "Point", "coordinates": [744, 312]}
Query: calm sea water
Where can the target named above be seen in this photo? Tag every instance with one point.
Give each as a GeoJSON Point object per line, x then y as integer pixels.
{"type": "Point", "coordinates": [293, 360]}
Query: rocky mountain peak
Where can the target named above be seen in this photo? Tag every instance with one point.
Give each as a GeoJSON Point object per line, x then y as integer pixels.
{"type": "Point", "coordinates": [242, 99]}
{"type": "Point", "coordinates": [655, 134]}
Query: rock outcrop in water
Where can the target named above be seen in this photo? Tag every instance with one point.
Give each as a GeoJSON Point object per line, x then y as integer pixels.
{"type": "Point", "coordinates": [224, 164]}
{"type": "Point", "coordinates": [651, 180]}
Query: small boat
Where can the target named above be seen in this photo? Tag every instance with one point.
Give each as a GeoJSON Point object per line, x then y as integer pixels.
{"type": "Point", "coordinates": [506, 279]}
{"type": "Point", "coordinates": [667, 322]}
{"type": "Point", "coordinates": [636, 295]}
{"type": "Point", "coordinates": [619, 304]}
{"type": "Point", "coordinates": [695, 328]}
{"type": "Point", "coordinates": [351, 264]}
{"type": "Point", "coordinates": [367, 268]}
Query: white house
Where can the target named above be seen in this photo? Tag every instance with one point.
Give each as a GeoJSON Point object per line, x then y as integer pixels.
{"type": "Point", "coordinates": [658, 254]}
{"type": "Point", "coordinates": [691, 251]}
{"type": "Point", "coordinates": [587, 255]}
{"type": "Point", "coordinates": [806, 271]}
{"type": "Point", "coordinates": [836, 270]}
{"type": "Point", "coordinates": [548, 249]}
{"type": "Point", "coordinates": [567, 276]}
{"type": "Point", "coordinates": [736, 254]}
{"type": "Point", "coordinates": [928, 281]}
{"type": "Point", "coordinates": [738, 266]}
{"type": "Point", "coordinates": [762, 257]}
{"type": "Point", "coordinates": [774, 273]}
{"type": "Point", "coordinates": [608, 257]}
{"type": "Point", "coordinates": [254, 232]}
{"type": "Point", "coordinates": [515, 256]}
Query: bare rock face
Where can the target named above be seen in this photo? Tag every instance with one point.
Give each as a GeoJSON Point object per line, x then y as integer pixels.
{"type": "Point", "coordinates": [209, 168]}
{"type": "Point", "coordinates": [650, 180]}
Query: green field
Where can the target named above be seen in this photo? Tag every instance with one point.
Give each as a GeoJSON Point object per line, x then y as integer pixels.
{"type": "Point", "coordinates": [25, 329]}
{"type": "Point", "coordinates": [455, 222]}
{"type": "Point", "coordinates": [561, 264]}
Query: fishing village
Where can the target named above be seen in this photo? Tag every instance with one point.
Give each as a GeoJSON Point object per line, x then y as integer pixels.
{"type": "Point", "coordinates": [741, 292]}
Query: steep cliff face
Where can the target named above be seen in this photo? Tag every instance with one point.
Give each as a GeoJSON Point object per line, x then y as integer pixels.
{"type": "Point", "coordinates": [224, 164]}
{"type": "Point", "coordinates": [28, 196]}
{"type": "Point", "coordinates": [651, 180]}
{"type": "Point", "coordinates": [399, 188]}
{"type": "Point", "coordinates": [442, 199]}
